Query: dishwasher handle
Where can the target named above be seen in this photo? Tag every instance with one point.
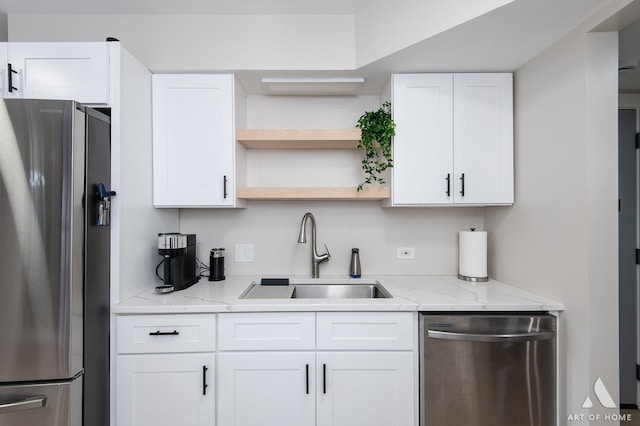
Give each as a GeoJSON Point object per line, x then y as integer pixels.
{"type": "Point", "coordinates": [491, 338]}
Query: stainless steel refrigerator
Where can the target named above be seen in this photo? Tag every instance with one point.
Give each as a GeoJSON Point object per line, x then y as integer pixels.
{"type": "Point", "coordinates": [54, 263]}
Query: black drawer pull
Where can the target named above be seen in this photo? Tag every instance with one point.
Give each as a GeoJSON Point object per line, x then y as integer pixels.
{"type": "Point", "coordinates": [164, 333]}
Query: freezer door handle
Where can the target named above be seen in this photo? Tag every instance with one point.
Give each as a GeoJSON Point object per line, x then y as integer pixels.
{"type": "Point", "coordinates": [491, 338]}
{"type": "Point", "coordinates": [25, 404]}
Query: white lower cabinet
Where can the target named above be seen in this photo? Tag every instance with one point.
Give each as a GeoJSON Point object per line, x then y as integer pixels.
{"type": "Point", "coordinates": [165, 370]}
{"type": "Point", "coordinates": [166, 390]}
{"type": "Point", "coordinates": [284, 389]}
{"type": "Point", "coordinates": [266, 388]}
{"type": "Point", "coordinates": [368, 381]}
{"type": "Point", "coordinates": [284, 369]}
{"type": "Point", "coordinates": [365, 388]}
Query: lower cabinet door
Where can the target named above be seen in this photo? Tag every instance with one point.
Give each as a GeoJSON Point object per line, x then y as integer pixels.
{"type": "Point", "coordinates": [365, 389]}
{"type": "Point", "coordinates": [166, 390]}
{"type": "Point", "coordinates": [266, 388]}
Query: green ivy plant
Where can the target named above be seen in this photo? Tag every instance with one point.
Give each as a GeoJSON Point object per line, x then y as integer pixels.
{"type": "Point", "coordinates": [377, 129]}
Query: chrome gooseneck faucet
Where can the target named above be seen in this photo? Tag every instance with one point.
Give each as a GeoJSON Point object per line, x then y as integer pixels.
{"type": "Point", "coordinates": [316, 258]}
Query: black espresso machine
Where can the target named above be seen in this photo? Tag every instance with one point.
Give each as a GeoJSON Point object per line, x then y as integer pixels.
{"type": "Point", "coordinates": [179, 252]}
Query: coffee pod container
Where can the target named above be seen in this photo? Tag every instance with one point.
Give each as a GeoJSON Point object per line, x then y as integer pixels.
{"type": "Point", "coordinates": [216, 264]}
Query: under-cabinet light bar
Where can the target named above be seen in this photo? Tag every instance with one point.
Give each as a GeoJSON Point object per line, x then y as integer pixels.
{"type": "Point", "coordinates": [312, 85]}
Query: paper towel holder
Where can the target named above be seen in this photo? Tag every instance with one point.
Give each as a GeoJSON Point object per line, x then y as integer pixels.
{"type": "Point", "coordinates": [473, 279]}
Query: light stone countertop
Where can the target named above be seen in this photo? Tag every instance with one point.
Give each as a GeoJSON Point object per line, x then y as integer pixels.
{"type": "Point", "coordinates": [410, 293]}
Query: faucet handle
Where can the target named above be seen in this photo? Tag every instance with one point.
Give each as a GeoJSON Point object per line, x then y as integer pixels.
{"type": "Point", "coordinates": [327, 249]}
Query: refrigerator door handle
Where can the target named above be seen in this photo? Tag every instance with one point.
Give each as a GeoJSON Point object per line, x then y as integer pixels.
{"type": "Point", "coordinates": [25, 404]}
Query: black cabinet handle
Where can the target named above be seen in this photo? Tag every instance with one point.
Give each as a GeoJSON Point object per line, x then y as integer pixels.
{"type": "Point", "coordinates": [307, 373]}
{"type": "Point", "coordinates": [324, 378]}
{"type": "Point", "coordinates": [224, 186]}
{"type": "Point", "coordinates": [462, 189]}
{"type": "Point", "coordinates": [10, 75]}
{"type": "Point", "coordinates": [448, 184]}
{"type": "Point", "coordinates": [164, 333]}
{"type": "Point", "coordinates": [204, 380]}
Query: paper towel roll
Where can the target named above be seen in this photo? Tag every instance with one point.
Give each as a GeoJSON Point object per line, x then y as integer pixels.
{"type": "Point", "coordinates": [472, 256]}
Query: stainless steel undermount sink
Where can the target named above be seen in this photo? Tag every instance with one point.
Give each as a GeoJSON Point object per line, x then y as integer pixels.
{"type": "Point", "coordinates": [317, 289]}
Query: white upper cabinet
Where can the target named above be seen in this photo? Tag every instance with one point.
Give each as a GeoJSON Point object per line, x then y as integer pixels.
{"type": "Point", "coordinates": [193, 140]}
{"type": "Point", "coordinates": [76, 71]}
{"type": "Point", "coordinates": [423, 145]}
{"type": "Point", "coordinates": [454, 139]}
{"type": "Point", "coordinates": [483, 138]}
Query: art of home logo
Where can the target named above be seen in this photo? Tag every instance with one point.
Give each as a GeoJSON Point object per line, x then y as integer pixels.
{"type": "Point", "coordinates": [604, 398]}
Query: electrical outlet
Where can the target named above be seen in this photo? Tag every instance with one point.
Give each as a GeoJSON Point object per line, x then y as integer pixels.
{"type": "Point", "coordinates": [244, 253]}
{"type": "Point", "coordinates": [406, 253]}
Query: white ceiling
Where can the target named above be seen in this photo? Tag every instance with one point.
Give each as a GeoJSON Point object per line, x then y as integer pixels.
{"type": "Point", "coordinates": [502, 40]}
{"type": "Point", "coordinates": [223, 7]}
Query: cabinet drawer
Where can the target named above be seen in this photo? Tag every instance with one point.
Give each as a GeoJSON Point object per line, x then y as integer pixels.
{"type": "Point", "coordinates": [166, 333]}
{"type": "Point", "coordinates": [354, 330]}
{"type": "Point", "coordinates": [262, 331]}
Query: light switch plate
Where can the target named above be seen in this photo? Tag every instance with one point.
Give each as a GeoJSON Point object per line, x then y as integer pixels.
{"type": "Point", "coordinates": [244, 253]}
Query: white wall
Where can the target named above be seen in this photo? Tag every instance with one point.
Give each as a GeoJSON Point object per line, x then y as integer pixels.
{"type": "Point", "coordinates": [4, 27]}
{"type": "Point", "coordinates": [133, 251]}
{"type": "Point", "coordinates": [560, 237]}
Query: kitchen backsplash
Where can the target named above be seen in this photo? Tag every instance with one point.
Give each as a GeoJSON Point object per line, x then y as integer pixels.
{"type": "Point", "coordinates": [272, 228]}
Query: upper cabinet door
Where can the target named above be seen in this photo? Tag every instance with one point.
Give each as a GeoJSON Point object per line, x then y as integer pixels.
{"type": "Point", "coordinates": [193, 140]}
{"type": "Point", "coordinates": [423, 145]}
{"type": "Point", "coordinates": [75, 71]}
{"type": "Point", "coordinates": [483, 134]}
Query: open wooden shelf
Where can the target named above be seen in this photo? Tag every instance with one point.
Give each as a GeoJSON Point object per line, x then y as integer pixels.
{"type": "Point", "coordinates": [313, 193]}
{"type": "Point", "coordinates": [298, 138]}
{"type": "Point", "coordinates": [305, 139]}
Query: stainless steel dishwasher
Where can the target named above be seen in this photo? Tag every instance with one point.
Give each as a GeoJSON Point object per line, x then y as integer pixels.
{"type": "Point", "coordinates": [488, 370]}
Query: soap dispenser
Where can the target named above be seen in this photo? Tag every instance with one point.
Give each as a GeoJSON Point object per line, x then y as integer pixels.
{"type": "Point", "coordinates": [354, 268]}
